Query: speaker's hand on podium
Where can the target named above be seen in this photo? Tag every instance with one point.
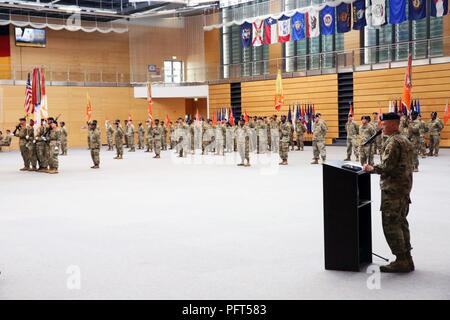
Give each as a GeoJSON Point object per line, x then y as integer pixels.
{"type": "Point", "coordinates": [367, 168]}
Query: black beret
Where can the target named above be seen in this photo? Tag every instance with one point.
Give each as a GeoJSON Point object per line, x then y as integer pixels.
{"type": "Point", "coordinates": [390, 116]}
{"type": "Point", "coordinates": [434, 114]}
{"type": "Point", "coordinates": [22, 119]}
{"type": "Point", "coordinates": [318, 114]}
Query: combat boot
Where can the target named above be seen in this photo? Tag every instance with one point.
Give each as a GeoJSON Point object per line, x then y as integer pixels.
{"type": "Point", "coordinates": [116, 158]}
{"type": "Point", "coordinates": [400, 265]}
{"type": "Point", "coordinates": [347, 159]}
{"type": "Point", "coordinates": [410, 260]}
{"type": "Point", "coordinates": [95, 167]}
{"type": "Point", "coordinates": [283, 163]}
{"type": "Point", "coordinates": [315, 161]}
{"type": "Point", "coordinates": [24, 169]}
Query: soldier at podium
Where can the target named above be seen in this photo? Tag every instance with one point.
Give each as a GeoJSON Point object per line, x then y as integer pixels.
{"type": "Point", "coordinates": [396, 169]}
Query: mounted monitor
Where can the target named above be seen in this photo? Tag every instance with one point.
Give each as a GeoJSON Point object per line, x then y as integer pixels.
{"type": "Point", "coordinates": [29, 37]}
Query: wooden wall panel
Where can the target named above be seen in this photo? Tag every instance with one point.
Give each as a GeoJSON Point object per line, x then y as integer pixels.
{"type": "Point", "coordinates": [431, 84]}
{"type": "Point", "coordinates": [107, 103]}
{"type": "Point", "coordinates": [219, 97]}
{"type": "Point", "coordinates": [258, 98]}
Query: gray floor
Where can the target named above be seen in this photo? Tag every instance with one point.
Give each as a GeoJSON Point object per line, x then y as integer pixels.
{"type": "Point", "coordinates": [141, 228]}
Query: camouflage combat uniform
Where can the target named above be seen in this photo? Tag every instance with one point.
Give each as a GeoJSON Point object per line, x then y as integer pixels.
{"type": "Point", "coordinates": [435, 127]}
{"type": "Point", "coordinates": [54, 138]}
{"type": "Point", "coordinates": [23, 140]}
{"type": "Point", "coordinates": [109, 135]}
{"type": "Point", "coordinates": [149, 138]}
{"type": "Point", "coordinates": [42, 148]}
{"type": "Point", "coordinates": [414, 137]}
{"type": "Point", "coordinates": [352, 137]}
{"type": "Point", "coordinates": [396, 182]}
{"type": "Point", "coordinates": [318, 140]}
{"type": "Point", "coordinates": [130, 135]}
{"type": "Point", "coordinates": [285, 136]}
{"type": "Point", "coordinates": [141, 134]}
{"type": "Point", "coordinates": [63, 140]}
{"type": "Point", "coordinates": [300, 130]}
{"type": "Point", "coordinates": [157, 132]}
{"type": "Point", "coordinates": [94, 145]}
{"type": "Point", "coordinates": [242, 135]}
{"type": "Point", "coordinates": [118, 139]}
{"type": "Point", "coordinates": [365, 152]}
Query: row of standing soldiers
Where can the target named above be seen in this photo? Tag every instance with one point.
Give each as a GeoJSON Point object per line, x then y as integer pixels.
{"type": "Point", "coordinates": [411, 126]}
{"type": "Point", "coordinates": [41, 144]}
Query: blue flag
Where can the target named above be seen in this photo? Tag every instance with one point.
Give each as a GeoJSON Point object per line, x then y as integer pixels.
{"type": "Point", "coordinates": [397, 11]}
{"type": "Point", "coordinates": [439, 8]}
{"type": "Point", "coordinates": [343, 14]}
{"type": "Point", "coordinates": [246, 34]}
{"type": "Point", "coordinates": [359, 14]}
{"type": "Point", "coordinates": [418, 106]}
{"type": "Point", "coordinates": [297, 113]}
{"type": "Point", "coordinates": [417, 9]}
{"type": "Point", "coordinates": [289, 116]}
{"type": "Point", "coordinates": [327, 20]}
{"type": "Point", "coordinates": [298, 26]}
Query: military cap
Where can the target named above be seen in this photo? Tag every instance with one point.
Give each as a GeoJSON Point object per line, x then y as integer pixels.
{"type": "Point", "coordinates": [390, 116]}
{"type": "Point", "coordinates": [22, 119]}
{"type": "Point", "coordinates": [94, 122]}
{"type": "Point", "coordinates": [50, 119]}
{"type": "Point", "coordinates": [434, 114]}
{"type": "Point", "coordinates": [318, 114]}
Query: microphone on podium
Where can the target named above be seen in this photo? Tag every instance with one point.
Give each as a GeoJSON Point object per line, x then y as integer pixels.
{"type": "Point", "coordinates": [372, 138]}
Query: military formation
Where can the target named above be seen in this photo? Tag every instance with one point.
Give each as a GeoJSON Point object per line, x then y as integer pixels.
{"type": "Point", "coordinates": [411, 126]}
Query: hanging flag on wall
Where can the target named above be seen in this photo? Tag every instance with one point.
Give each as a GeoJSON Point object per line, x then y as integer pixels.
{"type": "Point", "coordinates": [343, 13]}
{"type": "Point", "coordinates": [327, 20]}
{"type": "Point", "coordinates": [359, 14]}
{"type": "Point", "coordinates": [397, 11]}
{"type": "Point", "coordinates": [417, 9]}
{"type": "Point", "coordinates": [270, 31]}
{"type": "Point", "coordinates": [312, 17]}
{"type": "Point", "coordinates": [439, 8]}
{"type": "Point", "coordinates": [298, 26]}
{"type": "Point", "coordinates": [284, 29]}
{"type": "Point", "coordinates": [246, 34]}
{"type": "Point", "coordinates": [378, 13]}
{"type": "Point", "coordinates": [257, 33]}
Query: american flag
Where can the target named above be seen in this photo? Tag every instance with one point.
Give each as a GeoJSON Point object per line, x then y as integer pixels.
{"type": "Point", "coordinates": [28, 98]}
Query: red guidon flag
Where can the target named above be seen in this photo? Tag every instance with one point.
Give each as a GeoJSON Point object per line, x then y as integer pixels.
{"type": "Point", "coordinates": [446, 116]}
{"type": "Point", "coordinates": [407, 86]}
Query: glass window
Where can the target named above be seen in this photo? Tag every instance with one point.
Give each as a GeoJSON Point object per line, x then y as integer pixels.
{"type": "Point", "coordinates": [173, 71]}
{"type": "Point", "coordinates": [436, 31]}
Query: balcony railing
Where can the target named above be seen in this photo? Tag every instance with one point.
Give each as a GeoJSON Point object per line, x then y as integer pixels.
{"type": "Point", "coordinates": [436, 50]}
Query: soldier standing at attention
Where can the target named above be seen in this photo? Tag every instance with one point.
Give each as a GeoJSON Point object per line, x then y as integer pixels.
{"type": "Point", "coordinates": [274, 134]}
{"type": "Point", "coordinates": [21, 132]}
{"type": "Point", "coordinates": [300, 130]}
{"type": "Point", "coordinates": [157, 139]}
{"type": "Point", "coordinates": [63, 138]}
{"type": "Point", "coordinates": [414, 137]}
{"type": "Point", "coordinates": [94, 144]}
{"type": "Point", "coordinates": [435, 127]}
{"type": "Point", "coordinates": [141, 134]}
{"type": "Point", "coordinates": [318, 140]}
{"type": "Point", "coordinates": [109, 134]}
{"type": "Point", "coordinates": [285, 134]}
{"type": "Point", "coordinates": [127, 144]}
{"type": "Point", "coordinates": [365, 132]}
{"type": "Point", "coordinates": [148, 136]}
{"type": "Point", "coordinates": [118, 139]}
{"type": "Point", "coordinates": [41, 147]}
{"type": "Point", "coordinates": [423, 130]}
{"type": "Point", "coordinates": [242, 134]}
{"type": "Point", "coordinates": [130, 134]}
{"type": "Point", "coordinates": [291, 136]}
{"type": "Point", "coordinates": [378, 141]}
{"type": "Point", "coordinates": [352, 132]}
{"type": "Point", "coordinates": [395, 183]}
{"type": "Point", "coordinates": [53, 138]}
{"type": "Point", "coordinates": [163, 136]}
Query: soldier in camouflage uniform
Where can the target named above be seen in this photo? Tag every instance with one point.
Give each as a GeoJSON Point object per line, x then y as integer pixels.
{"type": "Point", "coordinates": [130, 136]}
{"type": "Point", "coordinates": [291, 136]}
{"type": "Point", "coordinates": [274, 134]}
{"type": "Point", "coordinates": [22, 132]}
{"type": "Point", "coordinates": [125, 128]}
{"type": "Point", "coordinates": [352, 134]}
{"type": "Point", "coordinates": [404, 124]}
{"type": "Point", "coordinates": [141, 134]}
{"type": "Point", "coordinates": [31, 145]}
{"type": "Point", "coordinates": [42, 147]}
{"type": "Point", "coordinates": [414, 137]}
{"type": "Point", "coordinates": [63, 138]}
{"type": "Point", "coordinates": [118, 139]}
{"type": "Point", "coordinates": [262, 135]}
{"type": "Point", "coordinates": [149, 136]}
{"type": "Point", "coordinates": [53, 138]}
{"type": "Point", "coordinates": [109, 135]}
{"type": "Point", "coordinates": [242, 134]}
{"type": "Point", "coordinates": [423, 130]}
{"type": "Point", "coordinates": [164, 135]}
{"type": "Point", "coordinates": [366, 130]}
{"type": "Point", "coordinates": [318, 140]}
{"type": "Point", "coordinates": [219, 134]}
{"type": "Point", "coordinates": [94, 143]}
{"type": "Point", "coordinates": [157, 138]}
{"type": "Point", "coordinates": [300, 130]}
{"type": "Point", "coordinates": [435, 127]}
{"type": "Point", "coordinates": [285, 134]}
{"type": "Point", "coordinates": [396, 169]}
{"type": "Point", "coordinates": [376, 146]}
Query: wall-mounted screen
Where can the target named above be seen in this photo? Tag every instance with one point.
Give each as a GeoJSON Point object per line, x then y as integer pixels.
{"type": "Point", "coordinates": [29, 37]}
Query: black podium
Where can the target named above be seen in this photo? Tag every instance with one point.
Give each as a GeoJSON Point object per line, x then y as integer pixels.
{"type": "Point", "coordinates": [346, 217]}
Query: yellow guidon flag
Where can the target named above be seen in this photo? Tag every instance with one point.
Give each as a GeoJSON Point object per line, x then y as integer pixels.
{"type": "Point", "coordinates": [278, 92]}
{"type": "Point", "coordinates": [88, 108]}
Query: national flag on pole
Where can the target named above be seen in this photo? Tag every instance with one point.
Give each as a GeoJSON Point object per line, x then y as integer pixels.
{"type": "Point", "coordinates": [28, 106]}
{"type": "Point", "coordinates": [407, 86]}
{"type": "Point", "coordinates": [257, 33]}
{"type": "Point", "coordinates": [270, 31]}
{"type": "Point", "coordinates": [446, 115]}
{"type": "Point", "coordinates": [88, 108]}
{"type": "Point", "coordinates": [278, 91]}
{"type": "Point", "coordinates": [284, 29]}
{"type": "Point", "coordinates": [439, 8]}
